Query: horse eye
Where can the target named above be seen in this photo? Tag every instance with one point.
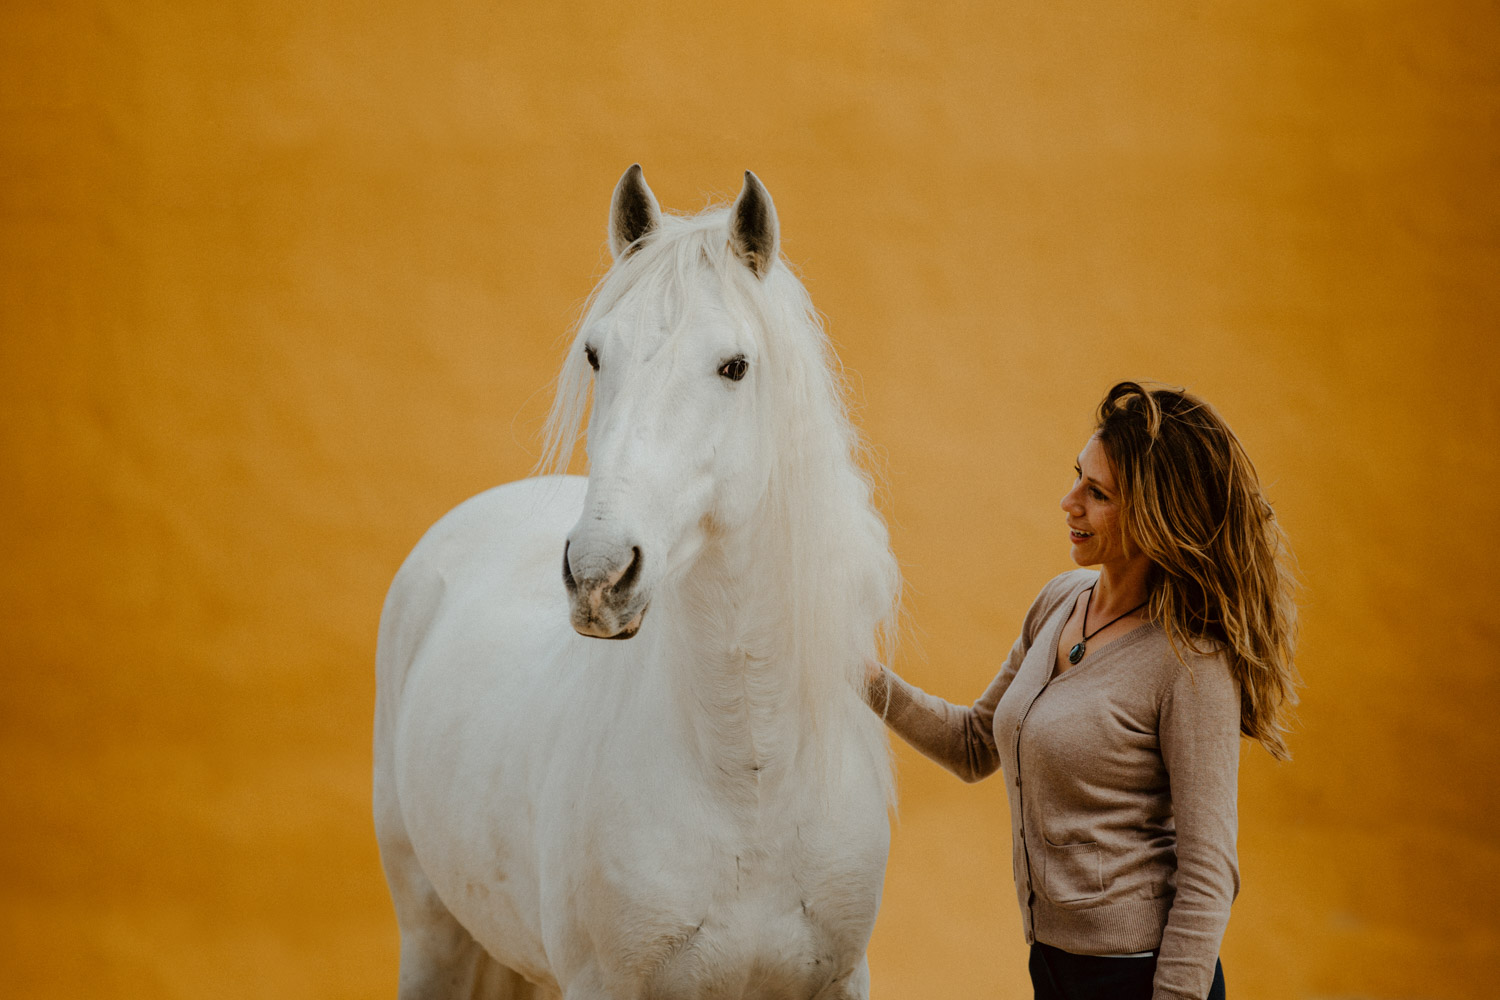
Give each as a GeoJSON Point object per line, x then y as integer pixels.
{"type": "Point", "coordinates": [734, 369]}
{"type": "Point", "coordinates": [593, 357]}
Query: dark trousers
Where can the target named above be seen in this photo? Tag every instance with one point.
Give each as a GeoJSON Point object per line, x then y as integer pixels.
{"type": "Point", "coordinates": [1062, 975]}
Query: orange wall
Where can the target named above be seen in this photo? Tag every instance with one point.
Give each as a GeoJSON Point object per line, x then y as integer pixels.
{"type": "Point", "coordinates": [283, 282]}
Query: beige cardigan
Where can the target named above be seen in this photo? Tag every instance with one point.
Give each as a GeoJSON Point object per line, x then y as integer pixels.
{"type": "Point", "coordinates": [1122, 777]}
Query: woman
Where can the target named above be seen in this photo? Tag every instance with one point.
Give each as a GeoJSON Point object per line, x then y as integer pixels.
{"type": "Point", "coordinates": [1117, 715]}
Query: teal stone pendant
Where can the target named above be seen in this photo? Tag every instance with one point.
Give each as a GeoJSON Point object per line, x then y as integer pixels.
{"type": "Point", "coordinates": [1076, 653]}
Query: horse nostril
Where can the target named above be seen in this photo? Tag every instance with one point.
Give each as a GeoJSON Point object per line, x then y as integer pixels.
{"type": "Point", "coordinates": [628, 578]}
{"type": "Point", "coordinates": [568, 580]}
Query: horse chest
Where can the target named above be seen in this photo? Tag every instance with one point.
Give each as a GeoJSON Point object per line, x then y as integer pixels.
{"type": "Point", "coordinates": [729, 908]}
{"type": "Point", "coordinates": [750, 932]}
{"type": "Point", "coordinates": [751, 955]}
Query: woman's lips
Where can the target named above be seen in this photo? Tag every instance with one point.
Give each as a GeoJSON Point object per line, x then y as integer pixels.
{"type": "Point", "coordinates": [1079, 536]}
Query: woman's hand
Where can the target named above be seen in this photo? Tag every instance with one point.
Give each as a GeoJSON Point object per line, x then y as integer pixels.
{"type": "Point", "coordinates": [873, 671]}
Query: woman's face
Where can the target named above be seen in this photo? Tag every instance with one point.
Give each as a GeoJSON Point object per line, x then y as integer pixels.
{"type": "Point", "coordinates": [1092, 507]}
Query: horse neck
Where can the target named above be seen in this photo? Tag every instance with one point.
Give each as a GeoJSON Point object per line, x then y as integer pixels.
{"type": "Point", "coordinates": [732, 666]}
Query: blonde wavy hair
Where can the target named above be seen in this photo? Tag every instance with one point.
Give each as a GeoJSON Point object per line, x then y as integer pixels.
{"type": "Point", "coordinates": [1223, 579]}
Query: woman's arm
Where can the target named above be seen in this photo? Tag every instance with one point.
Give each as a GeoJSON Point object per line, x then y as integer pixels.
{"type": "Point", "coordinates": [961, 739]}
{"type": "Point", "coordinates": [1200, 746]}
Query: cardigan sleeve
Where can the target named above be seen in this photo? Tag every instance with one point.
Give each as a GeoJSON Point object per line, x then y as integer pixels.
{"type": "Point", "coordinates": [961, 739]}
{"type": "Point", "coordinates": [1200, 747]}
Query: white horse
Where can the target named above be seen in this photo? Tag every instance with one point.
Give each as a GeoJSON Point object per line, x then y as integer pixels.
{"type": "Point", "coordinates": [699, 811]}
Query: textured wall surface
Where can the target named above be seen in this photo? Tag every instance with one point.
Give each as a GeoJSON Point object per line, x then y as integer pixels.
{"type": "Point", "coordinates": [280, 283]}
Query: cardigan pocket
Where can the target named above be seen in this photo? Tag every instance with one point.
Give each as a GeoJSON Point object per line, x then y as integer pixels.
{"type": "Point", "coordinates": [1073, 872]}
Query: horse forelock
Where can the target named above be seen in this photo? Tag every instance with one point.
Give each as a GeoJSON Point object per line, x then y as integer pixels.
{"type": "Point", "coordinates": [830, 560]}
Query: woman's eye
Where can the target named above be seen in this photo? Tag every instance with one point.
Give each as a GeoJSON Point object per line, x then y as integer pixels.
{"type": "Point", "coordinates": [734, 369]}
{"type": "Point", "coordinates": [1098, 496]}
{"type": "Point", "coordinates": [593, 357]}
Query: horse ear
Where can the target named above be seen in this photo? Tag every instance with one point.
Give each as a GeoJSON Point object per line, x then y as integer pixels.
{"type": "Point", "coordinates": [753, 230]}
{"type": "Point", "coordinates": [633, 212]}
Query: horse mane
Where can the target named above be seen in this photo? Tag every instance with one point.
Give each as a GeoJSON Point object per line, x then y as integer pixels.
{"type": "Point", "coordinates": [832, 563]}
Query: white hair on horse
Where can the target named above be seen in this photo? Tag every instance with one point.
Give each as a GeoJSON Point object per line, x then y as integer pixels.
{"type": "Point", "coordinates": [826, 548]}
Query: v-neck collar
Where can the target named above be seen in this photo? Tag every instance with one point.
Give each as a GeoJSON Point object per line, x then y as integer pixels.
{"type": "Point", "coordinates": [1064, 612]}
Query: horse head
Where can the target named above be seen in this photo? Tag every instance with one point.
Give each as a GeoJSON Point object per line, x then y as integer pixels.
{"type": "Point", "coordinates": [675, 444]}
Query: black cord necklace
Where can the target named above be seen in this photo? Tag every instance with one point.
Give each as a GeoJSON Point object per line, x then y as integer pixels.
{"type": "Point", "coordinates": [1076, 653]}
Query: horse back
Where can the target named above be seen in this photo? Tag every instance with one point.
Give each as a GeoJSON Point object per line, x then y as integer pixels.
{"type": "Point", "coordinates": [475, 614]}
{"type": "Point", "coordinates": [504, 544]}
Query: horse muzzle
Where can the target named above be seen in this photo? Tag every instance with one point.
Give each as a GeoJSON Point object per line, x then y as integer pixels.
{"type": "Point", "coordinates": [603, 597]}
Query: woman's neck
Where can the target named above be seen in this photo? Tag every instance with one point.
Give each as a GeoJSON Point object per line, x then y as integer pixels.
{"type": "Point", "coordinates": [1122, 586]}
